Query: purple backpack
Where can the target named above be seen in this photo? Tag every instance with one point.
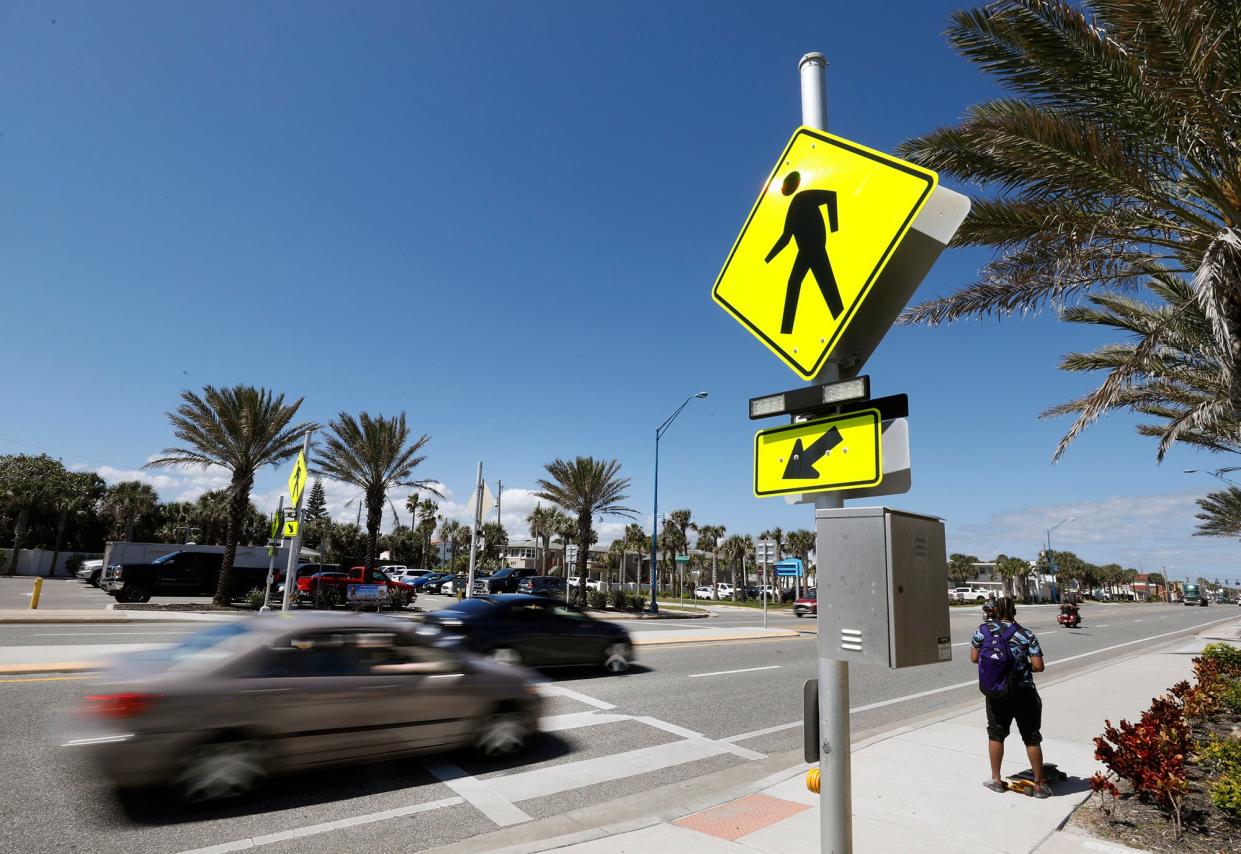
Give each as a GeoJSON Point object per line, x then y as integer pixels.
{"type": "Point", "coordinates": [996, 668]}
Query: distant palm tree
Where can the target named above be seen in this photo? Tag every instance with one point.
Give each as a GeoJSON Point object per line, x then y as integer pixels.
{"type": "Point", "coordinates": [449, 533]}
{"type": "Point", "coordinates": [709, 536]}
{"type": "Point", "coordinates": [81, 491]}
{"type": "Point", "coordinates": [1221, 514]}
{"type": "Point", "coordinates": [540, 522]}
{"type": "Point", "coordinates": [734, 549]}
{"type": "Point", "coordinates": [375, 454]}
{"type": "Point", "coordinates": [637, 539]}
{"type": "Point", "coordinates": [242, 429]}
{"type": "Point", "coordinates": [801, 543]}
{"type": "Point", "coordinates": [127, 502]}
{"type": "Point", "coordinates": [586, 488]}
{"type": "Point", "coordinates": [565, 528]}
{"type": "Point", "coordinates": [1113, 160]}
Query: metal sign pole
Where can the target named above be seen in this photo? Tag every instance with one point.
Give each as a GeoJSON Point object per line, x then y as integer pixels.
{"type": "Point", "coordinates": [478, 518]}
{"type": "Point", "coordinates": [836, 793]}
{"type": "Point", "coordinates": [272, 548]}
{"type": "Point", "coordinates": [295, 548]}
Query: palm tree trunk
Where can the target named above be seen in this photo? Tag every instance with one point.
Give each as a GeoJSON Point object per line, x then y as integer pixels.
{"type": "Point", "coordinates": [583, 554]}
{"type": "Point", "coordinates": [238, 503]}
{"type": "Point", "coordinates": [60, 533]}
{"type": "Point", "coordinates": [374, 518]}
{"type": "Point", "coordinates": [19, 534]}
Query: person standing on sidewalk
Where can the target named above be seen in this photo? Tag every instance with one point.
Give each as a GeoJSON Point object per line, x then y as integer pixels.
{"type": "Point", "coordinates": [1010, 655]}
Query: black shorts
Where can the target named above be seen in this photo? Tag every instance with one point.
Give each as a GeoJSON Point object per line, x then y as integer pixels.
{"type": "Point", "coordinates": [1024, 706]}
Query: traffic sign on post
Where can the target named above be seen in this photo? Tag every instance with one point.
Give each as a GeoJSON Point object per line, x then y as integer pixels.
{"type": "Point", "coordinates": [290, 528]}
{"type": "Point", "coordinates": [297, 480]}
{"type": "Point", "coordinates": [824, 226]}
{"type": "Point", "coordinates": [823, 455]}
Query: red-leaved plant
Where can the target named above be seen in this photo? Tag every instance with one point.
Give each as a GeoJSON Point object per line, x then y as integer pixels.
{"type": "Point", "coordinates": [1150, 754]}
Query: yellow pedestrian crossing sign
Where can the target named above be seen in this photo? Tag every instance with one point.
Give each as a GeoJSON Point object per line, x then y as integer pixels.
{"type": "Point", "coordinates": [290, 528]}
{"type": "Point", "coordinates": [826, 222]}
{"type": "Point", "coordinates": [297, 480]}
{"type": "Point", "coordinates": [826, 454]}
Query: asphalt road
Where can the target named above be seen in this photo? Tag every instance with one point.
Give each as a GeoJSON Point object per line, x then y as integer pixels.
{"type": "Point", "coordinates": [685, 712]}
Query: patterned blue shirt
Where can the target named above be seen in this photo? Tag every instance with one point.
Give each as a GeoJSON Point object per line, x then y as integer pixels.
{"type": "Point", "coordinates": [1022, 645]}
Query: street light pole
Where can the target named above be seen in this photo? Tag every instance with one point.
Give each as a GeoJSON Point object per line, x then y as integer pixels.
{"type": "Point", "coordinates": [1051, 561]}
{"type": "Point", "coordinates": [659, 431]}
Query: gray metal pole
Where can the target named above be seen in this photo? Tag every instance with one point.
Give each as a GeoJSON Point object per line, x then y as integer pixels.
{"type": "Point", "coordinates": [271, 558]}
{"type": "Point", "coordinates": [295, 548]}
{"type": "Point", "coordinates": [478, 520]}
{"type": "Point", "coordinates": [836, 791]}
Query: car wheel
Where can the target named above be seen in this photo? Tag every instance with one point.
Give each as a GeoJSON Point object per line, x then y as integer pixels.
{"type": "Point", "coordinates": [797, 612]}
{"type": "Point", "coordinates": [501, 734]}
{"type": "Point", "coordinates": [616, 657]}
{"type": "Point", "coordinates": [981, 599]}
{"type": "Point", "coordinates": [140, 594]}
{"type": "Point", "coordinates": [220, 769]}
{"type": "Point", "coordinates": [505, 655]}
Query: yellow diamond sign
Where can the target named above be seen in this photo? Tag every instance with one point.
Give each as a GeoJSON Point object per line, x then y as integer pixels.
{"type": "Point", "coordinates": [838, 452]}
{"type": "Point", "coordinates": [828, 219]}
{"type": "Point", "coordinates": [297, 480]}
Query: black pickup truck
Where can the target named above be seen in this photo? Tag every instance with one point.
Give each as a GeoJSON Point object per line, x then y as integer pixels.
{"type": "Point", "coordinates": [177, 574]}
{"type": "Point", "coordinates": [504, 581]}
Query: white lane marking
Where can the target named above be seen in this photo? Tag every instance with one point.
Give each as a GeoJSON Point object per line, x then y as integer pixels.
{"type": "Point", "coordinates": [727, 672]}
{"type": "Point", "coordinates": [575, 720]}
{"type": "Point", "coordinates": [561, 691]}
{"type": "Point", "coordinates": [479, 793]}
{"type": "Point", "coordinates": [552, 780]}
{"type": "Point", "coordinates": [744, 753]}
{"type": "Point", "coordinates": [1102, 625]}
{"type": "Point", "coordinates": [746, 736]}
{"type": "Point", "coordinates": [947, 688]}
{"type": "Point", "coordinates": [325, 827]}
{"type": "Point", "coordinates": [1137, 621]}
{"type": "Point", "coordinates": [1052, 632]}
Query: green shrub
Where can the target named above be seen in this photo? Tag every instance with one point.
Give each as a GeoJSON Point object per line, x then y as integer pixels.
{"type": "Point", "coordinates": [1224, 656]}
{"type": "Point", "coordinates": [254, 599]}
{"type": "Point", "coordinates": [1222, 756]}
{"type": "Point", "coordinates": [1226, 794]}
{"type": "Point", "coordinates": [327, 598]}
{"type": "Point", "coordinates": [597, 599]}
{"type": "Point", "coordinates": [1232, 695]}
{"type": "Point", "coordinates": [637, 602]}
{"type": "Point", "coordinates": [619, 599]}
{"type": "Point", "coordinates": [397, 599]}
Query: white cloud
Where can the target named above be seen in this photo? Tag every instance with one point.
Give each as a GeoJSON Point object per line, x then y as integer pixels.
{"type": "Point", "coordinates": [1146, 531]}
{"type": "Point", "coordinates": [175, 483]}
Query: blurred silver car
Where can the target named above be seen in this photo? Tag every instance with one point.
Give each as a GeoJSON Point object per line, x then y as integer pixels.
{"type": "Point", "coordinates": [215, 714]}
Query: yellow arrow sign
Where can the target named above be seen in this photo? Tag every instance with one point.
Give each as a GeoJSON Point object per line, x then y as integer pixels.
{"type": "Point", "coordinates": [297, 480]}
{"type": "Point", "coordinates": [290, 528]}
{"type": "Point", "coordinates": [828, 219]}
{"type": "Point", "coordinates": [839, 452]}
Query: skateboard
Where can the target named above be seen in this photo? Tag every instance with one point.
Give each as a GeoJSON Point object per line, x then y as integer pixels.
{"type": "Point", "coordinates": [1023, 781]}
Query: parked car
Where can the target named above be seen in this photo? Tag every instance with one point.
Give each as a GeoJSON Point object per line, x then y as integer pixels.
{"type": "Point", "coordinates": [503, 581]}
{"type": "Point", "coordinates": [407, 576]}
{"type": "Point", "coordinates": [303, 571]}
{"type": "Point", "coordinates": [544, 585]}
{"type": "Point", "coordinates": [90, 571]}
{"type": "Point", "coordinates": [704, 592]}
{"type": "Point", "coordinates": [977, 595]}
{"type": "Point", "coordinates": [536, 631]}
{"type": "Point", "coordinates": [216, 713]}
{"type": "Point", "coordinates": [390, 569]}
{"type": "Point", "coordinates": [808, 604]}
{"type": "Point", "coordinates": [309, 586]}
{"type": "Point", "coordinates": [180, 573]}
{"type": "Point", "coordinates": [430, 582]}
{"type": "Point", "coordinates": [723, 591]}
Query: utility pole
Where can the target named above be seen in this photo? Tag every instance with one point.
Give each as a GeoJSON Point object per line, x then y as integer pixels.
{"type": "Point", "coordinates": [499, 497]}
{"type": "Point", "coordinates": [273, 546]}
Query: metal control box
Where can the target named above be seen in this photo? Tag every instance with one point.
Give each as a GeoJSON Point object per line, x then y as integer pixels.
{"type": "Point", "coordinates": [882, 579]}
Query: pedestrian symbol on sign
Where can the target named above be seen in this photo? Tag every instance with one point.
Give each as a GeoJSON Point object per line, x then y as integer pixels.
{"type": "Point", "coordinates": [804, 224]}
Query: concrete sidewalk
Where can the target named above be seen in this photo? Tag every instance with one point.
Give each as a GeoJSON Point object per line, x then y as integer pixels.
{"type": "Point", "coordinates": [919, 787]}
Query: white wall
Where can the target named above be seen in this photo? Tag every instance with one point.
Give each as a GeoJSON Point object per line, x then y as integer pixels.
{"type": "Point", "coordinates": [39, 561]}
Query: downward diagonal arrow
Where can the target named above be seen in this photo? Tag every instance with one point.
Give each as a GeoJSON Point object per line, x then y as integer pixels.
{"type": "Point", "coordinates": [802, 460]}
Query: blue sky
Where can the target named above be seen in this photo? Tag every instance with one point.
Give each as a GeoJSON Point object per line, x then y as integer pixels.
{"type": "Point", "coordinates": [505, 220]}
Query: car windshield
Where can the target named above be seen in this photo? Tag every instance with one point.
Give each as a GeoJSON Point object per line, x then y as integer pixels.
{"type": "Point", "coordinates": [199, 649]}
{"type": "Point", "coordinates": [168, 558]}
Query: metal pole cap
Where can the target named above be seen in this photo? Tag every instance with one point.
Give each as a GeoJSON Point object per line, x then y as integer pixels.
{"type": "Point", "coordinates": [813, 57]}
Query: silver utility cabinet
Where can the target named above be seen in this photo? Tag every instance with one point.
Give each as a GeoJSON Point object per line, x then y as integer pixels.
{"type": "Point", "coordinates": [882, 580]}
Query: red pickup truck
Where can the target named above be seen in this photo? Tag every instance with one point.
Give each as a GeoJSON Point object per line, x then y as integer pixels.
{"type": "Point", "coordinates": [308, 586]}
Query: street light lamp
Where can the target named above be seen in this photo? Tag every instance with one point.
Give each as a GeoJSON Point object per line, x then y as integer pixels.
{"type": "Point", "coordinates": [659, 431]}
{"type": "Point", "coordinates": [1051, 561]}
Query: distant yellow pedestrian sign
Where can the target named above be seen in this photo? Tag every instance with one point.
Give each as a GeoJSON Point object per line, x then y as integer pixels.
{"type": "Point", "coordinates": [297, 480]}
{"type": "Point", "coordinates": [826, 222]}
{"type": "Point", "coordinates": [838, 452]}
{"type": "Point", "coordinates": [290, 528]}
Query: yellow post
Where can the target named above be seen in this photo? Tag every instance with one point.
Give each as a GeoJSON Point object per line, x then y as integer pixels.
{"type": "Point", "coordinates": [812, 780]}
{"type": "Point", "coordinates": [34, 597]}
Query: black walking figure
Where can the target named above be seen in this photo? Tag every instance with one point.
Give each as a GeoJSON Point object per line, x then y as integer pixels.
{"type": "Point", "coordinates": [804, 223]}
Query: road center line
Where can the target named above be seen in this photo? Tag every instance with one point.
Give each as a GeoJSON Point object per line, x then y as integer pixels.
{"type": "Point", "coordinates": [315, 829]}
{"type": "Point", "coordinates": [727, 672]}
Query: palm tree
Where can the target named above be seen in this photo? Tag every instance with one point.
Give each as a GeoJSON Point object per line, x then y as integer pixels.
{"type": "Point", "coordinates": [127, 502]}
{"type": "Point", "coordinates": [587, 488]}
{"type": "Point", "coordinates": [565, 528]}
{"type": "Point", "coordinates": [637, 538]}
{"type": "Point", "coordinates": [1221, 514]}
{"type": "Point", "coordinates": [374, 454]}
{"type": "Point", "coordinates": [961, 567]}
{"type": "Point", "coordinates": [242, 429]}
{"type": "Point", "coordinates": [801, 543]}
{"type": "Point", "coordinates": [425, 512]}
{"type": "Point", "coordinates": [1114, 161]}
{"type": "Point", "coordinates": [448, 534]}
{"type": "Point", "coordinates": [212, 511]}
{"type": "Point", "coordinates": [735, 549]}
{"type": "Point", "coordinates": [709, 536]}
{"type": "Point", "coordinates": [540, 522]}
{"type": "Point", "coordinates": [80, 492]}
